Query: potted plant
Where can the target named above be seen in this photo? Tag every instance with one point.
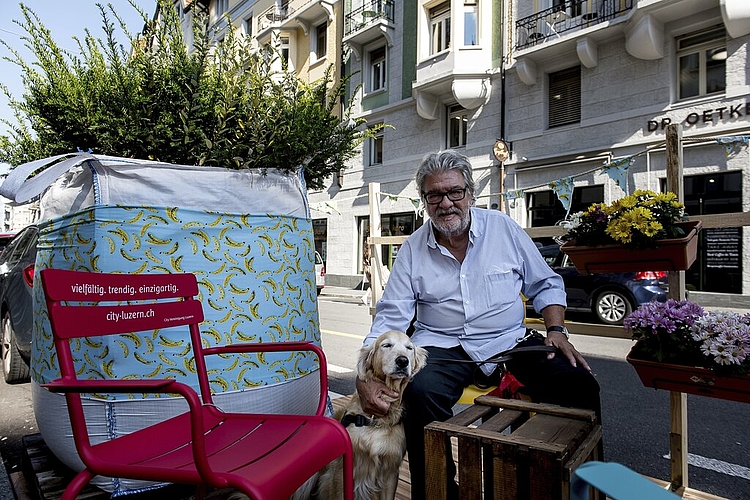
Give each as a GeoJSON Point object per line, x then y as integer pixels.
{"type": "Point", "coordinates": [682, 347]}
{"type": "Point", "coordinates": [642, 231]}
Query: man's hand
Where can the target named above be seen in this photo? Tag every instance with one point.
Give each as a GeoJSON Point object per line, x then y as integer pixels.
{"type": "Point", "coordinates": [560, 342]}
{"type": "Point", "coordinates": [371, 396]}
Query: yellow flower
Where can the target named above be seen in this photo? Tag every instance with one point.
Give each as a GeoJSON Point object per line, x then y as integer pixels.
{"type": "Point", "coordinates": [619, 231]}
{"type": "Point", "coordinates": [637, 220]}
{"type": "Point", "coordinates": [628, 202]}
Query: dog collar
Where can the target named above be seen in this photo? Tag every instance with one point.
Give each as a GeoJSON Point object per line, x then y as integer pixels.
{"type": "Point", "coordinates": [357, 419]}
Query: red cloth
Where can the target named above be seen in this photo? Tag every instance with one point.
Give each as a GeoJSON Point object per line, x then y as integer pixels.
{"type": "Point", "coordinates": [508, 388]}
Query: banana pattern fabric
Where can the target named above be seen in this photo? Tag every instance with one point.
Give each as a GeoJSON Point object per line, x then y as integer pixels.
{"type": "Point", "coordinates": [256, 280]}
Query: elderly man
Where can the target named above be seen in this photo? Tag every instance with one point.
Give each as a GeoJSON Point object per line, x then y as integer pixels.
{"type": "Point", "coordinates": [458, 281]}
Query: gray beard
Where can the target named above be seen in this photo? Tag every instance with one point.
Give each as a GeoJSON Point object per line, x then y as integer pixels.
{"type": "Point", "coordinates": [451, 231]}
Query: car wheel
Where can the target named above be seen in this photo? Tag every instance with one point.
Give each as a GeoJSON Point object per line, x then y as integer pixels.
{"type": "Point", "coordinates": [611, 307]}
{"type": "Point", "coordinates": [15, 368]}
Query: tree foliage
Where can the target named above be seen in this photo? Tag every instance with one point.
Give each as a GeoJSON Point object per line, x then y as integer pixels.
{"type": "Point", "coordinates": [217, 104]}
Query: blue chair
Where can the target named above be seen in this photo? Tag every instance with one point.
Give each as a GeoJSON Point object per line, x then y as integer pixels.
{"type": "Point", "coordinates": [616, 481]}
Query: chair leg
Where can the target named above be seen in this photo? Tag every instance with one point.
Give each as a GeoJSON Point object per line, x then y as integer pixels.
{"type": "Point", "coordinates": [78, 483]}
{"type": "Point", "coordinates": [348, 476]}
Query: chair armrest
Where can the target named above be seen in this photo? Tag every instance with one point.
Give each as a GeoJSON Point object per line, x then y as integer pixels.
{"type": "Point", "coordinates": [197, 427]}
{"type": "Point", "coordinates": [282, 347]}
{"type": "Point", "coordinates": [262, 347]}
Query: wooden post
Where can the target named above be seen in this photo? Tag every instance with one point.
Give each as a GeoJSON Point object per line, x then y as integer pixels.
{"type": "Point", "coordinates": [678, 446]}
{"type": "Point", "coordinates": [376, 255]}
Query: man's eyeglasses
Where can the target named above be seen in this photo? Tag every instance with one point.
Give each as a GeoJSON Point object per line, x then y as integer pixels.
{"type": "Point", "coordinates": [456, 194]}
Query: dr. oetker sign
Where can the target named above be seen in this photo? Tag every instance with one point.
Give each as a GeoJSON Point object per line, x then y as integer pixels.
{"type": "Point", "coordinates": [707, 116]}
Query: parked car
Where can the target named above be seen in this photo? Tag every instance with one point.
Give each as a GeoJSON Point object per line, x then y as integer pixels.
{"type": "Point", "coordinates": [16, 304]}
{"type": "Point", "coordinates": [5, 238]}
{"type": "Point", "coordinates": [320, 273]}
{"type": "Point", "coordinates": [610, 297]}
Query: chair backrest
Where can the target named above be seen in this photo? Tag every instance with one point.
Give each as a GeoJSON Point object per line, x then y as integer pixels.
{"type": "Point", "coordinates": [83, 304]}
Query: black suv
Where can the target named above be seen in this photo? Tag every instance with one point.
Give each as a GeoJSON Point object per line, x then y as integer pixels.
{"type": "Point", "coordinates": [17, 304]}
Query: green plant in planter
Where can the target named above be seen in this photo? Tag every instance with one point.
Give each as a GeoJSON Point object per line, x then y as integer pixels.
{"type": "Point", "coordinates": [635, 221]}
{"type": "Point", "coordinates": [213, 104]}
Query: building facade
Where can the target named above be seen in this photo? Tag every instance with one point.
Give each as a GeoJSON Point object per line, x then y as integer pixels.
{"type": "Point", "coordinates": [577, 94]}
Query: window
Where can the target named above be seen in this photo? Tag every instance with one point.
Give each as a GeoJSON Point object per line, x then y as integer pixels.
{"type": "Point", "coordinates": [546, 210]}
{"type": "Point", "coordinates": [440, 27]}
{"type": "Point", "coordinates": [377, 69]}
{"type": "Point", "coordinates": [375, 147]}
{"type": "Point", "coordinates": [391, 225]}
{"type": "Point", "coordinates": [284, 52]}
{"type": "Point", "coordinates": [565, 97]}
{"type": "Point", "coordinates": [702, 63]}
{"type": "Point", "coordinates": [458, 119]}
{"type": "Point", "coordinates": [248, 26]}
{"type": "Point", "coordinates": [321, 40]}
{"type": "Point", "coordinates": [221, 7]}
{"type": "Point", "coordinates": [471, 35]}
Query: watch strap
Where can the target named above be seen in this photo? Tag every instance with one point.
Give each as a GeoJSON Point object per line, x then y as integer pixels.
{"type": "Point", "coordinates": [560, 329]}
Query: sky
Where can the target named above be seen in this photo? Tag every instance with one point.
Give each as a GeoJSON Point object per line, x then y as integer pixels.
{"type": "Point", "coordinates": [65, 19]}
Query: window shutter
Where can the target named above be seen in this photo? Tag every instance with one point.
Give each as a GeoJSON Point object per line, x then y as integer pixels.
{"type": "Point", "coordinates": [564, 98]}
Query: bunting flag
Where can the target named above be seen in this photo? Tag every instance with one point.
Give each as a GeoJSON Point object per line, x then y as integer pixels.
{"type": "Point", "coordinates": [563, 189]}
{"type": "Point", "coordinates": [618, 171]}
{"type": "Point", "coordinates": [733, 144]}
{"type": "Point", "coordinates": [392, 198]}
{"type": "Point", "coordinates": [513, 195]}
{"type": "Point", "coordinates": [417, 204]}
{"type": "Point", "coordinates": [326, 207]}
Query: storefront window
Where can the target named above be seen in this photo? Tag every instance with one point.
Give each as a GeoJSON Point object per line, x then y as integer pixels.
{"type": "Point", "coordinates": [391, 225]}
{"type": "Point", "coordinates": [719, 264]}
{"type": "Point", "coordinates": [546, 210]}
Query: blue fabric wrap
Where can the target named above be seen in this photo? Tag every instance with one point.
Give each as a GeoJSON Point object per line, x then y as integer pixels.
{"type": "Point", "coordinates": [256, 279]}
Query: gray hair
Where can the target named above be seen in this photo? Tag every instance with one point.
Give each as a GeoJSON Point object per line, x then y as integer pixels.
{"type": "Point", "coordinates": [443, 161]}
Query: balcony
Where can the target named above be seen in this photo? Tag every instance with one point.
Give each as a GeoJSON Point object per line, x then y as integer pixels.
{"type": "Point", "coordinates": [576, 27]}
{"type": "Point", "coordinates": [573, 15]}
{"type": "Point", "coordinates": [368, 22]}
{"type": "Point", "coordinates": [295, 14]}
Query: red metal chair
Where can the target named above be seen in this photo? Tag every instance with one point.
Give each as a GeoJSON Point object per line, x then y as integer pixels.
{"type": "Point", "coordinates": [266, 456]}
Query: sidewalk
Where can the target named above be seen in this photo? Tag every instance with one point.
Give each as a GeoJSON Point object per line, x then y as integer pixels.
{"type": "Point", "coordinates": [342, 292]}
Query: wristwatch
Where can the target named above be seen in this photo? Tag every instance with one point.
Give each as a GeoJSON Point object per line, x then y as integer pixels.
{"type": "Point", "coordinates": [560, 329]}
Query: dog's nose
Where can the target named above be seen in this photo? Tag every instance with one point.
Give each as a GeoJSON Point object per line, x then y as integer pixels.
{"type": "Point", "coordinates": [402, 361]}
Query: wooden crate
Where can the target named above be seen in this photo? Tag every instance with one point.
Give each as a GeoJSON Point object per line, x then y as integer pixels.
{"type": "Point", "coordinates": [517, 450]}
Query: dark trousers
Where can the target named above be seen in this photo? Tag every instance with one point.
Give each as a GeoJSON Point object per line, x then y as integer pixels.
{"type": "Point", "coordinates": [434, 391]}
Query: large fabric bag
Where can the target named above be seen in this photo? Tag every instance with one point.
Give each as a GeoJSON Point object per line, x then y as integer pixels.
{"type": "Point", "coordinates": [246, 234]}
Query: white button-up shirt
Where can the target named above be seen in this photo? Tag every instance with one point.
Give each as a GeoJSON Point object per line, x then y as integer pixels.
{"type": "Point", "coordinates": [476, 304]}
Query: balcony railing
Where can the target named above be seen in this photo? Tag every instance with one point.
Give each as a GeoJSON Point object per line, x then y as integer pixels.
{"type": "Point", "coordinates": [367, 14]}
{"type": "Point", "coordinates": [272, 15]}
{"type": "Point", "coordinates": [565, 17]}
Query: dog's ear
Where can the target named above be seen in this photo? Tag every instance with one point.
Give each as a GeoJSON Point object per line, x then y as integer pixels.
{"type": "Point", "coordinates": [364, 362]}
{"type": "Point", "coordinates": [420, 359]}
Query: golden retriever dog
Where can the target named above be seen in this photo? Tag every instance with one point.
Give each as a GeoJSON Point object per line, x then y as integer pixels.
{"type": "Point", "coordinates": [379, 443]}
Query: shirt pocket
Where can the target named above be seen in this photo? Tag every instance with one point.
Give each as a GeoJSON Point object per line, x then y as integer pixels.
{"type": "Point", "coordinates": [501, 289]}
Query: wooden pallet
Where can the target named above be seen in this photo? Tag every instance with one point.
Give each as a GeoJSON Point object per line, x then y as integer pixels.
{"type": "Point", "coordinates": [47, 476]}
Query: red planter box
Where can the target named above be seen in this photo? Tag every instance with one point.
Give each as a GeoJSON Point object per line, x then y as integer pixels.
{"type": "Point", "coordinates": [676, 254]}
{"type": "Point", "coordinates": [692, 380]}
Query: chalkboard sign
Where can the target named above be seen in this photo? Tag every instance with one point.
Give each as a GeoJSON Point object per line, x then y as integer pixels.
{"type": "Point", "coordinates": [723, 247]}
